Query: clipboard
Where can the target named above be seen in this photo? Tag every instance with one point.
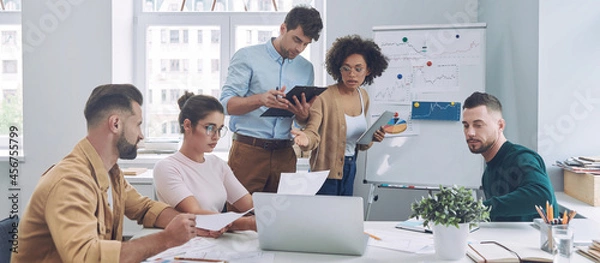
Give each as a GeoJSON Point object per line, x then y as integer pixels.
{"type": "Point", "coordinates": [309, 91]}
{"type": "Point", "coordinates": [367, 136]}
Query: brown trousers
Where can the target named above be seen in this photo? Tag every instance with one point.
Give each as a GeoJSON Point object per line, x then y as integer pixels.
{"type": "Point", "coordinates": [258, 169]}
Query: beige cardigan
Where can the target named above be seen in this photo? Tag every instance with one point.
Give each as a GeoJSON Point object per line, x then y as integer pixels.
{"type": "Point", "coordinates": [326, 130]}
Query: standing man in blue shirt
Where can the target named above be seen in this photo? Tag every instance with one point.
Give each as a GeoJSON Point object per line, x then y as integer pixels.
{"type": "Point", "coordinates": [257, 80]}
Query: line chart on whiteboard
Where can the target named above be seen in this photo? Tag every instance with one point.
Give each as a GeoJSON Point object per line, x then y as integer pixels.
{"type": "Point", "coordinates": [421, 63]}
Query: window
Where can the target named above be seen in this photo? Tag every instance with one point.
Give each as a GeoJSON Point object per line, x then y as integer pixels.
{"type": "Point", "coordinates": [11, 73]}
{"type": "Point", "coordinates": [214, 65]}
{"type": "Point", "coordinates": [9, 38]}
{"type": "Point", "coordinates": [200, 65]}
{"type": "Point", "coordinates": [200, 37]}
{"type": "Point", "coordinates": [9, 66]}
{"type": "Point", "coordinates": [174, 36]}
{"type": "Point", "coordinates": [174, 65]}
{"type": "Point", "coordinates": [204, 36]}
{"type": "Point", "coordinates": [9, 96]}
{"type": "Point", "coordinates": [185, 36]}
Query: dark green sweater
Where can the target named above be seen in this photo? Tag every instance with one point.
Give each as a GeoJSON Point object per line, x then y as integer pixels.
{"type": "Point", "coordinates": [514, 181]}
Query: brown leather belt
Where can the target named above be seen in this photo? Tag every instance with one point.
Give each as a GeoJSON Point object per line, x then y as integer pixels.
{"type": "Point", "coordinates": [263, 143]}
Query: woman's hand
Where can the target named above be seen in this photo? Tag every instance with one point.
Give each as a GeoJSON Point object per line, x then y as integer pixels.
{"type": "Point", "coordinates": [210, 233]}
{"type": "Point", "coordinates": [300, 138]}
{"type": "Point", "coordinates": [379, 135]}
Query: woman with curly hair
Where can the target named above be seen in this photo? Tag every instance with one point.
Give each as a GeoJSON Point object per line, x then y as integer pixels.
{"type": "Point", "coordinates": [338, 116]}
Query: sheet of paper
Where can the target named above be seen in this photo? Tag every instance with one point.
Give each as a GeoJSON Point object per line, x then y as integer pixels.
{"type": "Point", "coordinates": [401, 240]}
{"type": "Point", "coordinates": [197, 243]}
{"type": "Point", "coordinates": [217, 221]}
{"type": "Point", "coordinates": [301, 183]}
{"type": "Point", "coordinates": [234, 257]}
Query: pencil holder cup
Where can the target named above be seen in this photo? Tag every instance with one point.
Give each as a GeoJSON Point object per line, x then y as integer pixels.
{"type": "Point", "coordinates": [546, 240]}
{"type": "Point", "coordinates": [563, 242]}
{"type": "Point", "coordinates": [552, 238]}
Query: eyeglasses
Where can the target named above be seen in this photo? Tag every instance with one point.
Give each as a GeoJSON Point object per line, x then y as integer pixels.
{"type": "Point", "coordinates": [347, 69]}
{"type": "Point", "coordinates": [211, 129]}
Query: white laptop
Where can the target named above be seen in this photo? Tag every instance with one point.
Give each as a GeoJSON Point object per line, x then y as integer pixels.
{"type": "Point", "coordinates": [301, 223]}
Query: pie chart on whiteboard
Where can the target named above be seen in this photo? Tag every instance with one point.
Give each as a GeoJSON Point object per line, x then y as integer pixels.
{"type": "Point", "coordinates": [395, 125]}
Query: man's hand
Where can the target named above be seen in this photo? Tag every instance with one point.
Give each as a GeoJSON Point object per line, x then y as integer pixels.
{"type": "Point", "coordinates": [181, 229]}
{"type": "Point", "coordinates": [301, 108]}
{"type": "Point", "coordinates": [274, 99]}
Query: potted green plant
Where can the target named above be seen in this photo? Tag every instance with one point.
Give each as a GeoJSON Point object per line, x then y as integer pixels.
{"type": "Point", "coordinates": [450, 213]}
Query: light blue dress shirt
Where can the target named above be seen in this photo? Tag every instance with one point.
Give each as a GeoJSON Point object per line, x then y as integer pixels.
{"type": "Point", "coordinates": [255, 70]}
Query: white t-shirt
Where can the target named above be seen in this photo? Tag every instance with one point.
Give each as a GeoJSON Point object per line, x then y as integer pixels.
{"type": "Point", "coordinates": [355, 126]}
{"type": "Point", "coordinates": [211, 183]}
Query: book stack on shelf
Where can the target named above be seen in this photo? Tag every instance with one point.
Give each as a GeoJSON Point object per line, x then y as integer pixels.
{"type": "Point", "coordinates": [592, 252]}
{"type": "Point", "coordinates": [582, 178]}
{"type": "Point", "coordinates": [581, 164]}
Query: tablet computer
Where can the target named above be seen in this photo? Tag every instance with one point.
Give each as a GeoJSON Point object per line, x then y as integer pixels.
{"type": "Point", "coordinates": [367, 136]}
{"type": "Point", "coordinates": [309, 91]}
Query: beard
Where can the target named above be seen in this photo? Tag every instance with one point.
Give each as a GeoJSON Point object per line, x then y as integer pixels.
{"type": "Point", "coordinates": [126, 150]}
{"type": "Point", "coordinates": [286, 53]}
{"type": "Point", "coordinates": [484, 147]}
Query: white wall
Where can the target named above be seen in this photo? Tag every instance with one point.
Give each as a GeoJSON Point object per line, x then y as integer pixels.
{"type": "Point", "coordinates": [67, 53]}
{"type": "Point", "coordinates": [358, 17]}
{"type": "Point", "coordinates": [543, 65]}
{"type": "Point", "coordinates": [512, 64]}
{"type": "Point", "coordinates": [569, 74]}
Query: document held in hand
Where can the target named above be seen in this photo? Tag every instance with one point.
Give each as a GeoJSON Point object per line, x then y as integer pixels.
{"type": "Point", "coordinates": [307, 183]}
{"type": "Point", "coordinates": [309, 91]}
{"type": "Point", "coordinates": [216, 222]}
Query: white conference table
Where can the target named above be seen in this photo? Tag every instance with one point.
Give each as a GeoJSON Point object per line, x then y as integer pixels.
{"type": "Point", "coordinates": [522, 233]}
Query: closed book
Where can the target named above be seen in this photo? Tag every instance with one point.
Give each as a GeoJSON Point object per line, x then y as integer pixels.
{"type": "Point", "coordinates": [493, 252]}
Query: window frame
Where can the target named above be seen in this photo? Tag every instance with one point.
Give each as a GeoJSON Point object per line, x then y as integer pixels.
{"type": "Point", "coordinates": [12, 18]}
{"type": "Point", "coordinates": [227, 21]}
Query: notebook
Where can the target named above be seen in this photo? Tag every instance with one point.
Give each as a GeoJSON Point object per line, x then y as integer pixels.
{"type": "Point", "coordinates": [318, 224]}
{"type": "Point", "coordinates": [495, 253]}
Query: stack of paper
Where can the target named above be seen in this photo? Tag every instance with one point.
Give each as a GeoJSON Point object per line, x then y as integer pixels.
{"type": "Point", "coordinates": [581, 164]}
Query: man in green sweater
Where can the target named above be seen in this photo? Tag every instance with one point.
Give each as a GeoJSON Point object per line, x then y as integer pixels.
{"type": "Point", "coordinates": [515, 178]}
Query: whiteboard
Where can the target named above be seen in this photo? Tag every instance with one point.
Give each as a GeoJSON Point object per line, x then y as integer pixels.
{"type": "Point", "coordinates": [438, 66]}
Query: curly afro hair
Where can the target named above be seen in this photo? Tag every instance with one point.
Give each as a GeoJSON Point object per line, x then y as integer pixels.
{"type": "Point", "coordinates": [345, 46]}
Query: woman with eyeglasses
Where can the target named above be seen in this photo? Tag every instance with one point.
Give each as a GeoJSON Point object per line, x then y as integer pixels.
{"type": "Point", "coordinates": [198, 183]}
{"type": "Point", "coordinates": [338, 115]}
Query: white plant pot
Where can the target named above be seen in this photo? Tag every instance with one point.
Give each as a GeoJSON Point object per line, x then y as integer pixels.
{"type": "Point", "coordinates": [450, 242]}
